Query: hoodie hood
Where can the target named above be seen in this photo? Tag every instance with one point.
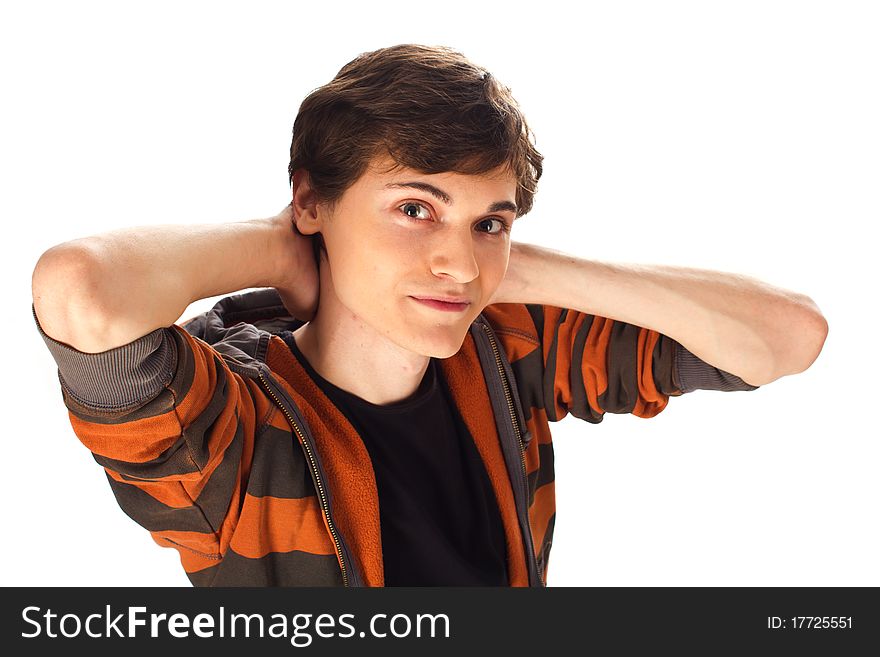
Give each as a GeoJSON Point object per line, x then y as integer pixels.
{"type": "Point", "coordinates": [240, 325]}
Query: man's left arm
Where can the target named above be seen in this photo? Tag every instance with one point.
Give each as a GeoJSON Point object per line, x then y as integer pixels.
{"type": "Point", "coordinates": [734, 322]}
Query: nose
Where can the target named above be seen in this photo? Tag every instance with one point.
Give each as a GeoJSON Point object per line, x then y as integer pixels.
{"type": "Point", "coordinates": [453, 256]}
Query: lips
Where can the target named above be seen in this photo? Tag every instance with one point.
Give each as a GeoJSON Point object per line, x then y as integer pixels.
{"type": "Point", "coordinates": [443, 304]}
{"type": "Point", "coordinates": [444, 299]}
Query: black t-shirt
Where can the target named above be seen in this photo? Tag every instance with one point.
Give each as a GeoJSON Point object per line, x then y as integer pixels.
{"type": "Point", "coordinates": [439, 517]}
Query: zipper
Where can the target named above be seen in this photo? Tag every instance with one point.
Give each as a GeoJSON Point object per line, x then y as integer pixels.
{"type": "Point", "coordinates": [522, 451]}
{"type": "Point", "coordinates": [319, 484]}
{"type": "Point", "coordinates": [322, 496]}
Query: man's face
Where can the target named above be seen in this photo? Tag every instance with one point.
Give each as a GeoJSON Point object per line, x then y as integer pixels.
{"type": "Point", "coordinates": [389, 244]}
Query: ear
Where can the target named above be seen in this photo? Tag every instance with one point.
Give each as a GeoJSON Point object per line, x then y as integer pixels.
{"type": "Point", "coordinates": [305, 206]}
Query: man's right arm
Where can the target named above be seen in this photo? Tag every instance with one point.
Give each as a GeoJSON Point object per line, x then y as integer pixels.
{"type": "Point", "coordinates": [160, 409]}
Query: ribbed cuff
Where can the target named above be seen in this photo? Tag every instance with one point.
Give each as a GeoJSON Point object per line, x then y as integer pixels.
{"type": "Point", "coordinates": [117, 378]}
{"type": "Point", "coordinates": [696, 374]}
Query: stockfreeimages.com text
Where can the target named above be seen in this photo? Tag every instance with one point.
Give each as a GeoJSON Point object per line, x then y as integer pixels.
{"type": "Point", "coordinates": [135, 622]}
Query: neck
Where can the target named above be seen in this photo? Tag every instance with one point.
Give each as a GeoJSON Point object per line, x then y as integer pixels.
{"type": "Point", "coordinates": [351, 355]}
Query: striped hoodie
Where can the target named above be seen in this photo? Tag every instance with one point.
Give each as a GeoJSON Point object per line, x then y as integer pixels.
{"type": "Point", "coordinates": [216, 441]}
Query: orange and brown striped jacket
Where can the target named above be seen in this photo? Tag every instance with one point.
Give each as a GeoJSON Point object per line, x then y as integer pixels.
{"type": "Point", "coordinates": [214, 438]}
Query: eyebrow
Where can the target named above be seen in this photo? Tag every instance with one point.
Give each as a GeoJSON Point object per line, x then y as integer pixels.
{"type": "Point", "coordinates": [439, 194]}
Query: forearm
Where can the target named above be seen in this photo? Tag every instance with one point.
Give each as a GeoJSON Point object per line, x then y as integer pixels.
{"type": "Point", "coordinates": [126, 283]}
{"type": "Point", "coordinates": [737, 323]}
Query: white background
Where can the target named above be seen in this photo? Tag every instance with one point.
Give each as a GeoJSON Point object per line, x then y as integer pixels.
{"type": "Point", "coordinates": [741, 137]}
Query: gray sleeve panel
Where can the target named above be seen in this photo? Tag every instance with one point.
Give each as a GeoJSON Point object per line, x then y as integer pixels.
{"type": "Point", "coordinates": [696, 374]}
{"type": "Point", "coordinates": [119, 377]}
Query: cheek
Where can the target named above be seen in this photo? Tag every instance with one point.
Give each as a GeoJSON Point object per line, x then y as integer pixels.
{"type": "Point", "coordinates": [493, 266]}
{"type": "Point", "coordinates": [387, 262]}
{"type": "Point", "coordinates": [369, 270]}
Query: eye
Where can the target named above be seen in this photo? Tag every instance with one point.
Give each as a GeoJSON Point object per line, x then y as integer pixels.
{"type": "Point", "coordinates": [501, 227]}
{"type": "Point", "coordinates": [411, 204]}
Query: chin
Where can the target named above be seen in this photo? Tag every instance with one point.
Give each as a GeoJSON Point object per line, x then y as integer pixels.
{"type": "Point", "coordinates": [438, 348]}
{"type": "Point", "coordinates": [445, 353]}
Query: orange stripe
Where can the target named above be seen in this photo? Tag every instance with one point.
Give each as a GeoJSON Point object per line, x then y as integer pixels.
{"type": "Point", "coordinates": [541, 511]}
{"type": "Point", "coordinates": [204, 379]}
{"type": "Point", "coordinates": [274, 524]}
{"type": "Point", "coordinates": [135, 442]}
{"type": "Point", "coordinates": [561, 378]}
{"type": "Point", "coordinates": [593, 368]}
{"type": "Point", "coordinates": [514, 327]}
{"type": "Point", "coordinates": [650, 401]}
{"type": "Point", "coordinates": [171, 494]}
{"type": "Point", "coordinates": [539, 427]}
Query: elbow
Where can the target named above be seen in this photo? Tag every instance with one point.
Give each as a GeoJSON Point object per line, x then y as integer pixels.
{"type": "Point", "coordinates": [64, 288]}
{"type": "Point", "coordinates": [795, 345]}
{"type": "Point", "coordinates": [815, 333]}
{"type": "Point", "coordinates": [806, 340]}
{"type": "Point", "coordinates": [809, 335]}
{"type": "Point", "coordinates": [65, 272]}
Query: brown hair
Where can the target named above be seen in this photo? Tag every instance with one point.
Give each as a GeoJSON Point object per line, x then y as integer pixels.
{"type": "Point", "coordinates": [428, 107]}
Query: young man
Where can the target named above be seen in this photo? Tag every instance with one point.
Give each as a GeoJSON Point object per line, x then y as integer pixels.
{"type": "Point", "coordinates": [379, 413]}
